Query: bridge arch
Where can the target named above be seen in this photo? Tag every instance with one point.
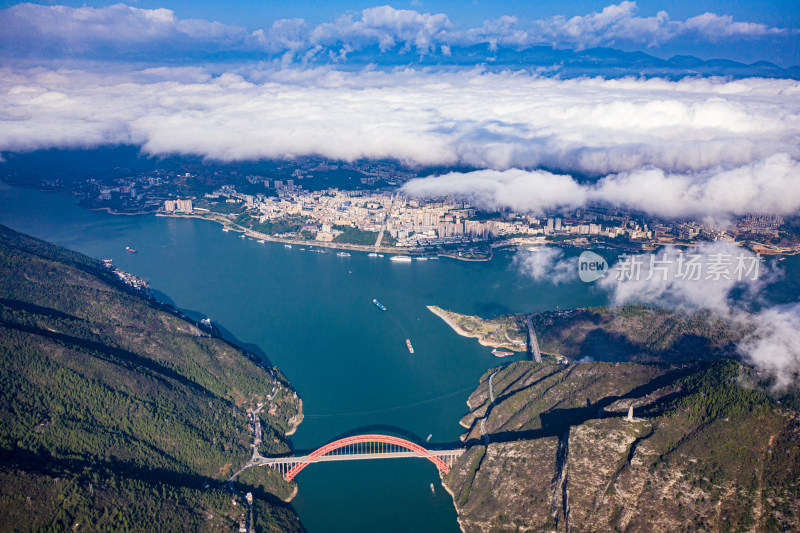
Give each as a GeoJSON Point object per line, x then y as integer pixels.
{"type": "Point", "coordinates": [359, 439]}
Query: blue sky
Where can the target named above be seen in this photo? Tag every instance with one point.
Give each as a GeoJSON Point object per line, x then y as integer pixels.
{"type": "Point", "coordinates": [709, 29]}
{"type": "Point", "coordinates": [254, 13]}
{"type": "Point", "coordinates": [430, 84]}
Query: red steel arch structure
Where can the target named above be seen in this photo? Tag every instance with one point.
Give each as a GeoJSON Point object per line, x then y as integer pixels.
{"type": "Point", "coordinates": [366, 439]}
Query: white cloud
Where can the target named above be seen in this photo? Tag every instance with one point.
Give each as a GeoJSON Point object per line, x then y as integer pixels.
{"type": "Point", "coordinates": [770, 185]}
{"type": "Point", "coordinates": [123, 30]}
{"type": "Point", "coordinates": [546, 264]}
{"type": "Point", "coordinates": [62, 30]}
{"type": "Point", "coordinates": [386, 27]}
{"type": "Point", "coordinates": [774, 345]}
{"type": "Point", "coordinates": [702, 277]}
{"type": "Point", "coordinates": [669, 148]}
{"type": "Point", "coordinates": [618, 24]}
{"type": "Point", "coordinates": [767, 186]}
{"type": "Point", "coordinates": [519, 190]}
{"type": "Point", "coordinates": [727, 286]}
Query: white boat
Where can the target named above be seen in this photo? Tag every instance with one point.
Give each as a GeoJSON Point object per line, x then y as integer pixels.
{"type": "Point", "coordinates": [380, 255]}
{"type": "Point", "coordinates": [433, 490]}
{"type": "Point", "coordinates": [261, 241]}
{"type": "Point", "coordinates": [226, 229]}
{"type": "Point", "coordinates": [372, 254]}
{"type": "Point", "coordinates": [421, 258]}
{"type": "Point", "coordinates": [343, 254]}
{"type": "Point", "coordinates": [401, 258]}
{"type": "Point", "coordinates": [287, 245]}
{"type": "Point", "coordinates": [242, 236]}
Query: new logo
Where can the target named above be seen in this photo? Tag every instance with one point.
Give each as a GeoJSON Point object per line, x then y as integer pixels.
{"type": "Point", "coordinates": [591, 267]}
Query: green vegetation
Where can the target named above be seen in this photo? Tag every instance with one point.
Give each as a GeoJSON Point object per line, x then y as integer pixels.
{"type": "Point", "coordinates": [708, 449]}
{"type": "Point", "coordinates": [508, 332]}
{"type": "Point", "coordinates": [226, 208]}
{"type": "Point", "coordinates": [475, 463]}
{"type": "Point", "coordinates": [352, 235]}
{"type": "Point", "coordinates": [637, 333]}
{"type": "Point", "coordinates": [626, 333]}
{"type": "Point", "coordinates": [279, 226]}
{"type": "Point", "coordinates": [117, 413]}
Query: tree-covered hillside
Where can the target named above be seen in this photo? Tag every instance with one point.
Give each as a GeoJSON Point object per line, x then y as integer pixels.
{"type": "Point", "coordinates": [118, 415]}
{"type": "Point", "coordinates": [637, 333]}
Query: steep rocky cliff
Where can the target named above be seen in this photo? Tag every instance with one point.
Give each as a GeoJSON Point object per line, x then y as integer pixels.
{"type": "Point", "coordinates": [706, 450]}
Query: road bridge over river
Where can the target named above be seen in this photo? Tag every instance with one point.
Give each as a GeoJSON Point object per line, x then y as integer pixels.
{"type": "Point", "coordinates": [358, 448]}
{"type": "Point", "coordinates": [533, 344]}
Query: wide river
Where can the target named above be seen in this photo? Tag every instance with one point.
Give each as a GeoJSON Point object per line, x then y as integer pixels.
{"type": "Point", "coordinates": [312, 315]}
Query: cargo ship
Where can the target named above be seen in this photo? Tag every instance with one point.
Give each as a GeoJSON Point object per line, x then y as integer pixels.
{"type": "Point", "coordinates": [129, 249]}
{"type": "Point", "coordinates": [500, 353]}
{"type": "Point", "coordinates": [379, 305]}
{"type": "Point", "coordinates": [408, 345]}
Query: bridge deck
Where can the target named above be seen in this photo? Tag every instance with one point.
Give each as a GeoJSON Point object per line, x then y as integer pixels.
{"type": "Point", "coordinates": [267, 461]}
{"type": "Point", "coordinates": [533, 344]}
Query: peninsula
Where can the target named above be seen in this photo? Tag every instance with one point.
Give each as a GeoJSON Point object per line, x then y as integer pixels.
{"type": "Point", "coordinates": [624, 333]}
{"type": "Point", "coordinates": [506, 331]}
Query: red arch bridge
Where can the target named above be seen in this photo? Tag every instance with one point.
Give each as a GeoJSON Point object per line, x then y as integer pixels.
{"type": "Point", "coordinates": [361, 447]}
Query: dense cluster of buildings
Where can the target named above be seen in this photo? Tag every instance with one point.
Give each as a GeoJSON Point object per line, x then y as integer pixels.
{"type": "Point", "coordinates": [411, 222]}
{"type": "Point", "coordinates": [414, 222]}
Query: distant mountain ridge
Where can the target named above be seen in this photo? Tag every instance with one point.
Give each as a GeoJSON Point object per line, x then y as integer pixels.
{"type": "Point", "coordinates": [604, 61]}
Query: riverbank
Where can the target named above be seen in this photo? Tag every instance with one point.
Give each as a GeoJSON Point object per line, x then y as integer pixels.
{"type": "Point", "coordinates": [482, 334]}
{"type": "Point", "coordinates": [220, 219]}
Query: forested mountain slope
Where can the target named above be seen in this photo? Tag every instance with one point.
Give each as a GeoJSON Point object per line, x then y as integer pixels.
{"type": "Point", "coordinates": [118, 415]}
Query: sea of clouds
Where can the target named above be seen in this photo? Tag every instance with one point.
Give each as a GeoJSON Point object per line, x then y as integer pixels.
{"type": "Point", "coordinates": [695, 147]}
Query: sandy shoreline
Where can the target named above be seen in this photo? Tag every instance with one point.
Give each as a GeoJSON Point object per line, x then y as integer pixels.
{"type": "Point", "coordinates": [455, 327]}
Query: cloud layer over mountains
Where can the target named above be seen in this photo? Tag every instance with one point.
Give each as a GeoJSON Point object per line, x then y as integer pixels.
{"type": "Point", "coordinates": [120, 30]}
{"type": "Point", "coordinates": [669, 148]}
{"type": "Point", "coordinates": [720, 277]}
